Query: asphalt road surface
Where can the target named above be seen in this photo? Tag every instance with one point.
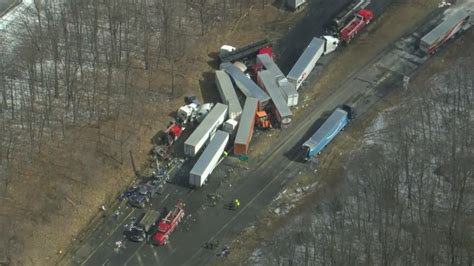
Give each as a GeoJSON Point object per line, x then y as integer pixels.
{"type": "Point", "coordinates": [255, 183]}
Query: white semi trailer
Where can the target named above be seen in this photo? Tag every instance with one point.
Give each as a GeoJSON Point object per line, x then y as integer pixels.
{"type": "Point", "coordinates": [287, 89]}
{"type": "Point", "coordinates": [295, 4]}
{"type": "Point", "coordinates": [228, 94]}
{"type": "Point", "coordinates": [208, 159]}
{"type": "Point", "coordinates": [310, 56]}
{"type": "Point", "coordinates": [282, 112]}
{"type": "Point", "coordinates": [205, 130]}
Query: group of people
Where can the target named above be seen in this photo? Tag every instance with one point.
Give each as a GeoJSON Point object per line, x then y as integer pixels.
{"type": "Point", "coordinates": [223, 253]}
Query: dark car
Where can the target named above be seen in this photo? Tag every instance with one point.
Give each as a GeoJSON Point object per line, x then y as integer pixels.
{"type": "Point", "coordinates": [137, 230]}
{"type": "Point", "coordinates": [136, 234]}
{"type": "Point", "coordinates": [143, 193]}
{"type": "Point", "coordinates": [138, 199]}
{"type": "Point", "coordinates": [151, 188]}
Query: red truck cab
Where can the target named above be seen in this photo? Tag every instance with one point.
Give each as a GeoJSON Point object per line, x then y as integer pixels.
{"type": "Point", "coordinates": [167, 225]}
{"type": "Point", "coordinates": [161, 236]}
{"type": "Point", "coordinates": [361, 18]}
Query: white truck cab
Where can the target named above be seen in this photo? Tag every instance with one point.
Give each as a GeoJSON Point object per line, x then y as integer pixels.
{"type": "Point", "coordinates": [202, 111]}
{"type": "Point", "coordinates": [331, 44]}
{"type": "Point", "coordinates": [226, 49]}
{"type": "Point", "coordinates": [187, 112]}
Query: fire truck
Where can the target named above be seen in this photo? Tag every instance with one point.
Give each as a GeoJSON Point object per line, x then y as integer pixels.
{"type": "Point", "coordinates": [167, 225]}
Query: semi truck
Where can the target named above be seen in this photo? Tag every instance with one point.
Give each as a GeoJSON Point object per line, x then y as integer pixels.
{"type": "Point", "coordinates": [167, 225]}
{"type": "Point", "coordinates": [310, 56]}
{"type": "Point", "coordinates": [231, 54]}
{"type": "Point", "coordinates": [246, 126]}
{"type": "Point", "coordinates": [205, 130]}
{"type": "Point", "coordinates": [358, 22]}
{"type": "Point", "coordinates": [287, 89]}
{"type": "Point", "coordinates": [280, 108]}
{"type": "Point", "coordinates": [454, 23]}
{"type": "Point", "coordinates": [267, 62]}
{"type": "Point", "coordinates": [208, 159]}
{"type": "Point", "coordinates": [328, 130]}
{"type": "Point", "coordinates": [228, 94]}
{"type": "Point", "coordinates": [246, 85]}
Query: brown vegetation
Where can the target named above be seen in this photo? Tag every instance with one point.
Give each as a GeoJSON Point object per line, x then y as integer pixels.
{"type": "Point", "coordinates": [406, 195]}
{"type": "Point", "coordinates": [84, 85]}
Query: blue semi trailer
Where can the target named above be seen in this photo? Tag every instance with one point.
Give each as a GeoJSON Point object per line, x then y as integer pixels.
{"type": "Point", "coordinates": [326, 133]}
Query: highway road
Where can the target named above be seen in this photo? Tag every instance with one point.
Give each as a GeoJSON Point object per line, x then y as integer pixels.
{"type": "Point", "coordinates": [255, 183]}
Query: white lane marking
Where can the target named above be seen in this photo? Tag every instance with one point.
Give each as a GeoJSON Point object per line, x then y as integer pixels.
{"type": "Point", "coordinates": [107, 237]}
{"type": "Point", "coordinates": [241, 210]}
{"type": "Point", "coordinates": [105, 262]}
{"type": "Point", "coordinates": [134, 253]}
{"type": "Point", "coordinates": [155, 254]}
{"type": "Point", "coordinates": [139, 248]}
{"type": "Point", "coordinates": [167, 195]}
{"type": "Point", "coordinates": [140, 261]}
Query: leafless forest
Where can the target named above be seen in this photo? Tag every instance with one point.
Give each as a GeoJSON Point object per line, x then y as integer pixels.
{"type": "Point", "coordinates": [408, 193]}
{"type": "Point", "coordinates": [69, 63]}
{"type": "Point", "coordinates": [66, 66]}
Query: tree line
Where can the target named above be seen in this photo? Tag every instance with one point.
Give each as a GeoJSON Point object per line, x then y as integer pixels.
{"type": "Point", "coordinates": [408, 198]}
{"type": "Point", "coordinates": [76, 62]}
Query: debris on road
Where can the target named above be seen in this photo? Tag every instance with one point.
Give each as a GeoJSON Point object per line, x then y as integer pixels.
{"type": "Point", "coordinates": [119, 244]}
{"type": "Point", "coordinates": [224, 252]}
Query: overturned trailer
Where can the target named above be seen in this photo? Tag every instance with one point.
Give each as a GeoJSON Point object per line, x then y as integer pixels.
{"type": "Point", "coordinates": [287, 89]}
{"type": "Point", "coordinates": [281, 110]}
{"type": "Point", "coordinates": [205, 130]}
{"type": "Point", "coordinates": [246, 85]}
{"type": "Point", "coordinates": [208, 159]}
{"type": "Point", "coordinates": [246, 126]}
{"type": "Point", "coordinates": [267, 62]}
{"type": "Point", "coordinates": [228, 94]}
{"type": "Point", "coordinates": [306, 62]}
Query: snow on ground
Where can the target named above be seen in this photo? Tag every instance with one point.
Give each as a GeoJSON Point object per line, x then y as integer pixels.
{"type": "Point", "coordinates": [8, 19]}
{"type": "Point", "coordinates": [372, 132]}
{"type": "Point", "coordinates": [8, 23]}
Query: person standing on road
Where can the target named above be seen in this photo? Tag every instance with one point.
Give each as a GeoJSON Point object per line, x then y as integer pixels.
{"type": "Point", "coordinates": [236, 203]}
